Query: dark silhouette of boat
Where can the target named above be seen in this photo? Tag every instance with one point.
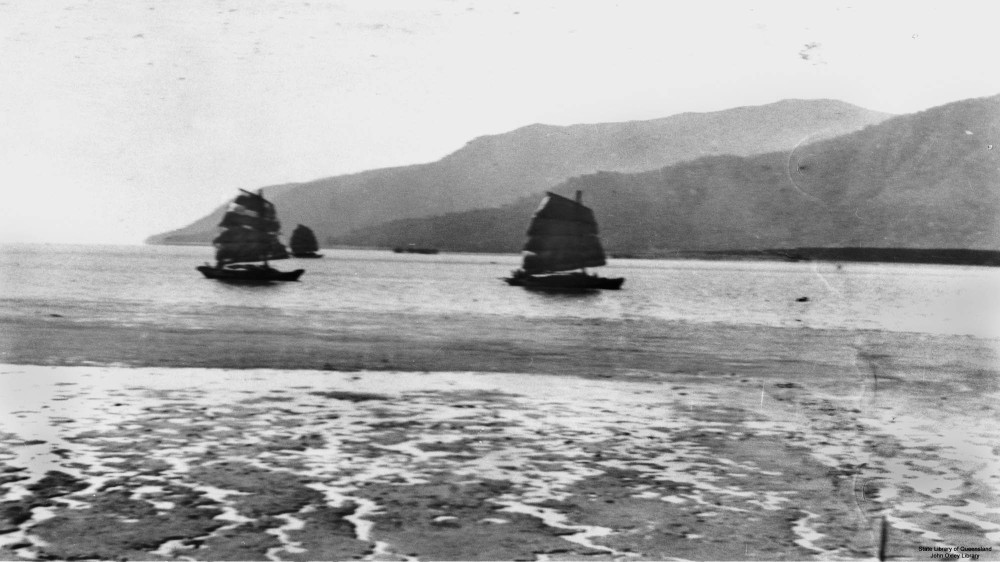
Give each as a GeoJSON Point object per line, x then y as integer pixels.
{"type": "Point", "coordinates": [303, 243]}
{"type": "Point", "coordinates": [250, 234]}
{"type": "Point", "coordinates": [249, 273]}
{"type": "Point", "coordinates": [414, 249]}
{"type": "Point", "coordinates": [562, 238]}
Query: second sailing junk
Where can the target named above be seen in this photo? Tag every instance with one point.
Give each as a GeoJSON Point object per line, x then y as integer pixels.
{"type": "Point", "coordinates": [562, 238]}
{"type": "Point", "coordinates": [303, 243]}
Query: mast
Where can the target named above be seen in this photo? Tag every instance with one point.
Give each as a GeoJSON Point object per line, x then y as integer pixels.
{"type": "Point", "coordinates": [562, 237]}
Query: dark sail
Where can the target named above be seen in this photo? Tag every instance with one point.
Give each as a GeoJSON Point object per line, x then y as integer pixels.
{"type": "Point", "coordinates": [562, 236]}
{"type": "Point", "coordinates": [251, 231]}
{"type": "Point", "coordinates": [303, 241]}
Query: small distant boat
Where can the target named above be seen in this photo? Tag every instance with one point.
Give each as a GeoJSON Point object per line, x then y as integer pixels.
{"type": "Point", "coordinates": [414, 249]}
{"type": "Point", "coordinates": [562, 237]}
{"type": "Point", "coordinates": [250, 234]}
{"type": "Point", "coordinates": [303, 243]}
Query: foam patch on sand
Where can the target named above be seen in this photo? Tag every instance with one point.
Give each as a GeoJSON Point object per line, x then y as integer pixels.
{"type": "Point", "coordinates": [304, 465]}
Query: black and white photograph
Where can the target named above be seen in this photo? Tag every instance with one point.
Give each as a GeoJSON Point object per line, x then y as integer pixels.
{"type": "Point", "coordinates": [526, 280]}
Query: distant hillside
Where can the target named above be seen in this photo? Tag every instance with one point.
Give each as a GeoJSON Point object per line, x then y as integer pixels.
{"type": "Point", "coordinates": [926, 180]}
{"type": "Point", "coordinates": [496, 170]}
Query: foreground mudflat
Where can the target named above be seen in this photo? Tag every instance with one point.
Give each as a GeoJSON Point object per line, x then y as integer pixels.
{"type": "Point", "coordinates": [210, 464]}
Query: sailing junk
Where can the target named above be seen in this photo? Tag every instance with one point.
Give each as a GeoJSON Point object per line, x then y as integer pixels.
{"type": "Point", "coordinates": [303, 243]}
{"type": "Point", "coordinates": [562, 237]}
{"type": "Point", "coordinates": [250, 234]}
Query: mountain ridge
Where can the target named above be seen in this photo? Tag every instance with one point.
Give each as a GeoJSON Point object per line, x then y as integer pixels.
{"type": "Point", "coordinates": [497, 169]}
{"type": "Point", "coordinates": [923, 180]}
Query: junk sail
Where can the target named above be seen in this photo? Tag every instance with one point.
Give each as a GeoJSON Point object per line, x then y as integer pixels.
{"type": "Point", "coordinates": [303, 242]}
{"type": "Point", "coordinates": [562, 236]}
{"type": "Point", "coordinates": [250, 234]}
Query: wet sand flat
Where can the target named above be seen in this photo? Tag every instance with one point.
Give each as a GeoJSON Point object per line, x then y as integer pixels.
{"type": "Point", "coordinates": [467, 342]}
{"type": "Point", "coordinates": [675, 442]}
{"type": "Point", "coordinates": [166, 463]}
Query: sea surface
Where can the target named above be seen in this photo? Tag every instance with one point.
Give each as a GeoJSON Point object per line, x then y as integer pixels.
{"type": "Point", "coordinates": [159, 285]}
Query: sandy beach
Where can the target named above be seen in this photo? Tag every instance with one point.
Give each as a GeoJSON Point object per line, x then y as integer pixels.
{"type": "Point", "coordinates": [644, 441]}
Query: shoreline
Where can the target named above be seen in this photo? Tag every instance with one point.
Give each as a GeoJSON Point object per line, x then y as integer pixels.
{"type": "Point", "coordinates": [583, 347]}
{"type": "Point", "coordinates": [830, 254]}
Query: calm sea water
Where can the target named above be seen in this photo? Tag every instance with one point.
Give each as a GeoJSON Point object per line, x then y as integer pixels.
{"type": "Point", "coordinates": [158, 284]}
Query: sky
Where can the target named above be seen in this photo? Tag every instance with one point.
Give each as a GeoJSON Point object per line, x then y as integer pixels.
{"type": "Point", "coordinates": [123, 119]}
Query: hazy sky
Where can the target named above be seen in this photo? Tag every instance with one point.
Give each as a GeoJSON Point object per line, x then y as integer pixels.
{"type": "Point", "coordinates": [124, 118]}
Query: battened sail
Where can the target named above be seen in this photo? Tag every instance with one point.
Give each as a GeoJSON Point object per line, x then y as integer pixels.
{"type": "Point", "coordinates": [251, 231]}
{"type": "Point", "coordinates": [303, 240]}
{"type": "Point", "coordinates": [562, 236]}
